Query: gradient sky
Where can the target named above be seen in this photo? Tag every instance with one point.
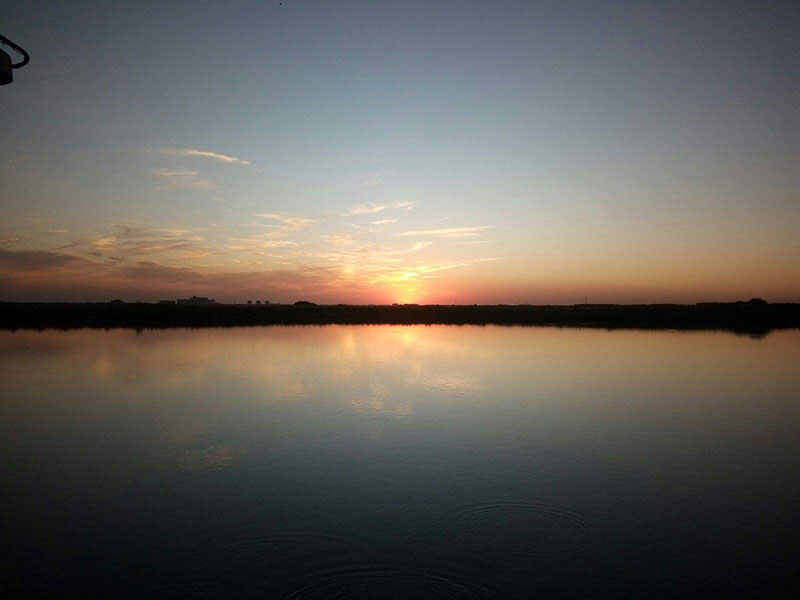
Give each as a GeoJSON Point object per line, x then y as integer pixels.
{"type": "Point", "coordinates": [402, 152]}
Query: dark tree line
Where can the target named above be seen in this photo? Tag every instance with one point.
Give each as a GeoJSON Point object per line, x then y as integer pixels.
{"type": "Point", "coordinates": [753, 316]}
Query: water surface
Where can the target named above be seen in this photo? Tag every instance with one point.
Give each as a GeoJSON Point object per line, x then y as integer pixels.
{"type": "Point", "coordinates": [400, 462]}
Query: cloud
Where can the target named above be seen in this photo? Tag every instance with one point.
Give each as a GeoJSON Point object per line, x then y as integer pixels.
{"type": "Point", "coordinates": [154, 280]}
{"type": "Point", "coordinates": [368, 209]}
{"type": "Point", "coordinates": [377, 267]}
{"type": "Point", "coordinates": [129, 241]}
{"type": "Point", "coordinates": [489, 259]}
{"type": "Point", "coordinates": [134, 260]}
{"type": "Point", "coordinates": [138, 230]}
{"type": "Point", "coordinates": [30, 229]}
{"type": "Point", "coordinates": [183, 152]}
{"type": "Point", "coordinates": [384, 221]}
{"type": "Point", "coordinates": [38, 260]}
{"type": "Point", "coordinates": [153, 272]}
{"type": "Point", "coordinates": [419, 246]}
{"type": "Point", "coordinates": [448, 232]}
{"type": "Point", "coordinates": [253, 245]}
{"type": "Point", "coordinates": [287, 222]}
{"type": "Point", "coordinates": [371, 179]}
{"type": "Point", "coordinates": [103, 243]}
{"type": "Point", "coordinates": [339, 240]}
{"type": "Point", "coordinates": [182, 179]}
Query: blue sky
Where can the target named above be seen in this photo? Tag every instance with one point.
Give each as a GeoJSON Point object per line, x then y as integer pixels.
{"type": "Point", "coordinates": [494, 152]}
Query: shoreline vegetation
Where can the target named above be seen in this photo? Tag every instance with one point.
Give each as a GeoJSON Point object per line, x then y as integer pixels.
{"type": "Point", "coordinates": [753, 317]}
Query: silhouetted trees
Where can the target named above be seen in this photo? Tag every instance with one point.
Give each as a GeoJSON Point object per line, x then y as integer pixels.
{"type": "Point", "coordinates": [753, 316]}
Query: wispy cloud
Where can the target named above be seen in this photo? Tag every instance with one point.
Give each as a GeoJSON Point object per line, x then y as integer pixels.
{"type": "Point", "coordinates": [153, 279]}
{"type": "Point", "coordinates": [139, 261]}
{"type": "Point", "coordinates": [257, 246]}
{"type": "Point", "coordinates": [38, 260]}
{"type": "Point", "coordinates": [448, 232]}
{"type": "Point", "coordinates": [305, 257]}
{"type": "Point", "coordinates": [287, 222]}
{"type": "Point", "coordinates": [371, 179]}
{"type": "Point", "coordinates": [182, 179]}
{"type": "Point", "coordinates": [419, 246]}
{"type": "Point", "coordinates": [192, 152]}
{"type": "Point", "coordinates": [489, 259]}
{"type": "Point", "coordinates": [339, 240]}
{"type": "Point", "coordinates": [103, 243]}
{"type": "Point", "coordinates": [129, 241]}
{"type": "Point", "coordinates": [368, 209]}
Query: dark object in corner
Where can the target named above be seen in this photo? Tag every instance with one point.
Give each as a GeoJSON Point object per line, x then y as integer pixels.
{"type": "Point", "coordinates": [6, 66]}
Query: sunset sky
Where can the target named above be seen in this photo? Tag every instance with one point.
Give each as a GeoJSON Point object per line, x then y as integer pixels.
{"type": "Point", "coordinates": [427, 152]}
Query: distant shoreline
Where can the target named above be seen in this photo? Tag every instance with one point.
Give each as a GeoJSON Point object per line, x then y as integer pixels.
{"type": "Point", "coordinates": [755, 316]}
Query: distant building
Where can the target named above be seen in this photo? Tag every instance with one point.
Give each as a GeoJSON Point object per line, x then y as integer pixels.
{"type": "Point", "coordinates": [249, 302]}
{"type": "Point", "coordinates": [196, 300]}
{"type": "Point", "coordinates": [258, 301]}
{"type": "Point", "coordinates": [266, 301]}
{"type": "Point", "coordinates": [166, 301]}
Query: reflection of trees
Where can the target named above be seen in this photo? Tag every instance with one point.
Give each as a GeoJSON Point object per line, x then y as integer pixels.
{"type": "Point", "coordinates": [381, 368]}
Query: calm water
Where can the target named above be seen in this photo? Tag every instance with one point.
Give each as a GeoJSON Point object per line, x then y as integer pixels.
{"type": "Point", "coordinates": [400, 462]}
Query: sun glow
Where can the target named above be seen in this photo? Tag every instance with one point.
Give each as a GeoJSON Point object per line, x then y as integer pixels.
{"type": "Point", "coordinates": [408, 295]}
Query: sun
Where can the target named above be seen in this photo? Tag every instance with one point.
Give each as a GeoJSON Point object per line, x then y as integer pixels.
{"type": "Point", "coordinates": [408, 295]}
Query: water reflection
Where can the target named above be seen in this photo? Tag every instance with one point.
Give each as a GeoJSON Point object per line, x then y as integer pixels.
{"type": "Point", "coordinates": [418, 461]}
{"type": "Point", "coordinates": [377, 364]}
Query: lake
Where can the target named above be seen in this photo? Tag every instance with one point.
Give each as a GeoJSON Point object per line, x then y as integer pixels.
{"type": "Point", "coordinates": [400, 462]}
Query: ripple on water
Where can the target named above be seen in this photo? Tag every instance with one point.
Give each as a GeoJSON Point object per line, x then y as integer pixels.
{"type": "Point", "coordinates": [523, 528]}
{"type": "Point", "coordinates": [269, 566]}
{"type": "Point", "coordinates": [387, 581]}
